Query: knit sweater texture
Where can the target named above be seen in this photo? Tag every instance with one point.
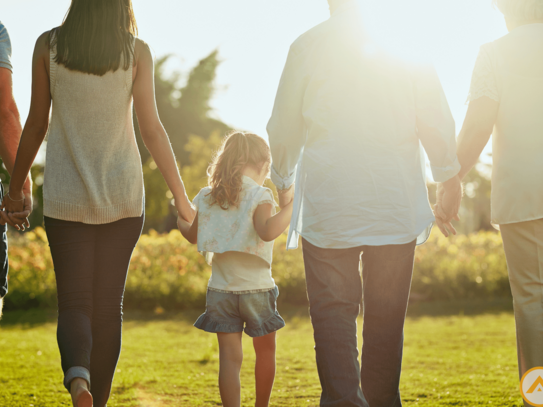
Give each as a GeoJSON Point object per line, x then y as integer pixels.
{"type": "Point", "coordinates": [93, 171]}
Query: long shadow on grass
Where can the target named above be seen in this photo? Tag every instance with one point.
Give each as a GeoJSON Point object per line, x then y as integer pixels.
{"type": "Point", "coordinates": [31, 318]}
{"type": "Point", "coordinates": [28, 319]}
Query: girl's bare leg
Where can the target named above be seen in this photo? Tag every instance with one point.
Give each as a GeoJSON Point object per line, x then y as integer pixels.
{"type": "Point", "coordinates": [230, 358]}
{"type": "Point", "coordinates": [264, 368]}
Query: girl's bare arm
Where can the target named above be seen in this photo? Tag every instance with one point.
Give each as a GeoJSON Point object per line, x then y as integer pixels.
{"type": "Point", "coordinates": [269, 227]}
{"type": "Point", "coordinates": [189, 230]}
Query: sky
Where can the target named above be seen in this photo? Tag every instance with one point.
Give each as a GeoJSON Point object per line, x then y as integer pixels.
{"type": "Point", "coordinates": [253, 38]}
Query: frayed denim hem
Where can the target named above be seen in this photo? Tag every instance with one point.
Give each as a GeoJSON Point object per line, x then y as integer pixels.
{"type": "Point", "coordinates": [205, 323]}
{"type": "Point", "coordinates": [273, 324]}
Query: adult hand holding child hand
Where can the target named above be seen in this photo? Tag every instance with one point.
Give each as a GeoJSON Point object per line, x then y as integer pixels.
{"type": "Point", "coordinates": [285, 196]}
{"type": "Point", "coordinates": [185, 209]}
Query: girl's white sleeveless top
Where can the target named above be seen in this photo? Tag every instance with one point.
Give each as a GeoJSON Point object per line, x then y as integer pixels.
{"type": "Point", "coordinates": [510, 71]}
{"type": "Point", "coordinates": [240, 260]}
{"type": "Point", "coordinates": [93, 171]}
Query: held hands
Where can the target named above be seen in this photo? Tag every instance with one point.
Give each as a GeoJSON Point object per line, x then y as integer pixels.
{"type": "Point", "coordinates": [16, 207]}
{"type": "Point", "coordinates": [185, 209]}
{"type": "Point", "coordinates": [285, 196]}
{"type": "Point", "coordinates": [448, 199]}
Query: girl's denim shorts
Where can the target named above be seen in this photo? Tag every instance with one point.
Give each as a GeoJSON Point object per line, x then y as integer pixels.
{"type": "Point", "coordinates": [254, 313]}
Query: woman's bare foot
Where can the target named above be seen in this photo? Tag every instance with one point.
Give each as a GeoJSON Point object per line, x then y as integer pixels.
{"type": "Point", "coordinates": [81, 396]}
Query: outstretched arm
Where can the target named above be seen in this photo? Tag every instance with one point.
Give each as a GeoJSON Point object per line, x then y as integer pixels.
{"type": "Point", "coordinates": [152, 132]}
{"type": "Point", "coordinates": [33, 133]}
{"type": "Point", "coordinates": [484, 97]}
{"type": "Point", "coordinates": [478, 125]}
{"type": "Point", "coordinates": [436, 131]}
{"type": "Point", "coordinates": [286, 128]}
{"type": "Point", "coordinates": [10, 125]}
{"type": "Point", "coordinates": [269, 227]}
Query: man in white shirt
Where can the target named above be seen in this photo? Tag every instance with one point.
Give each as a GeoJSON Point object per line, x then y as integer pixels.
{"type": "Point", "coordinates": [347, 125]}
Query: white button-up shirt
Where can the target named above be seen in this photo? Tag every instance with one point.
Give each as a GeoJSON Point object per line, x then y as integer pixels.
{"type": "Point", "coordinates": [351, 118]}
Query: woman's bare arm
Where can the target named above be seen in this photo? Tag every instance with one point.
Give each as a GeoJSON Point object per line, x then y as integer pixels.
{"type": "Point", "coordinates": [152, 132]}
{"type": "Point", "coordinates": [269, 227]}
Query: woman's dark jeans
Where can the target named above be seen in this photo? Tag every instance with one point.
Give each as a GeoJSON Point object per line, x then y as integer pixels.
{"type": "Point", "coordinates": [91, 264]}
{"type": "Point", "coordinates": [334, 288]}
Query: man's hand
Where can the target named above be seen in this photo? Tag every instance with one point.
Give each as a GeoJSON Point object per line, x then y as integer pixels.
{"type": "Point", "coordinates": [21, 218]}
{"type": "Point", "coordinates": [448, 199]}
{"type": "Point", "coordinates": [285, 196]}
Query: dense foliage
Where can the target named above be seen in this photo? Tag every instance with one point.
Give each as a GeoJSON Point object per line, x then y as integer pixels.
{"type": "Point", "coordinates": [166, 272]}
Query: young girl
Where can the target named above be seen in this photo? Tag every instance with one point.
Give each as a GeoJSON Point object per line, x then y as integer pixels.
{"type": "Point", "coordinates": [235, 227]}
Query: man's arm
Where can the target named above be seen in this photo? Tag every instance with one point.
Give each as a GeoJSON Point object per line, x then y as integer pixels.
{"type": "Point", "coordinates": [286, 128]}
{"type": "Point", "coordinates": [10, 121]}
{"type": "Point", "coordinates": [436, 131]}
{"type": "Point", "coordinates": [35, 127]}
{"type": "Point", "coordinates": [10, 130]}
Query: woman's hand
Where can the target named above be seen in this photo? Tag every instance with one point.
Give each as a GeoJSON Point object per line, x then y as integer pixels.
{"type": "Point", "coordinates": [185, 209]}
{"type": "Point", "coordinates": [16, 208]}
{"type": "Point", "coordinates": [445, 226]}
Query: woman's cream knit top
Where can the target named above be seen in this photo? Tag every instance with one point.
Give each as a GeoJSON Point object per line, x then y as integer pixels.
{"type": "Point", "coordinates": [93, 171]}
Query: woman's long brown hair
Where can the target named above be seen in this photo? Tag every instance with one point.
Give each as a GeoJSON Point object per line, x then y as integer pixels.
{"type": "Point", "coordinates": [238, 151]}
{"type": "Point", "coordinates": [96, 36]}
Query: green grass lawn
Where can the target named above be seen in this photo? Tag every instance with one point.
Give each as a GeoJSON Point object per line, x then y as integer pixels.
{"type": "Point", "coordinates": [456, 354]}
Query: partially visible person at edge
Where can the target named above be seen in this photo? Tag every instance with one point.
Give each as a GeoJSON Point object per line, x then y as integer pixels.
{"type": "Point", "coordinates": [10, 133]}
{"type": "Point", "coordinates": [91, 68]}
{"type": "Point", "coordinates": [506, 100]}
{"type": "Point", "coordinates": [346, 126]}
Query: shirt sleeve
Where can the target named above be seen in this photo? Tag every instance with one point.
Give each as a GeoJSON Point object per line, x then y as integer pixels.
{"type": "Point", "coordinates": [266, 197]}
{"type": "Point", "coordinates": [435, 124]}
{"type": "Point", "coordinates": [5, 48]}
{"type": "Point", "coordinates": [196, 200]}
{"type": "Point", "coordinates": [286, 128]}
{"type": "Point", "coordinates": [483, 80]}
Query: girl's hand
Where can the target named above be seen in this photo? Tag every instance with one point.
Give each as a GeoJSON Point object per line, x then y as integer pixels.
{"type": "Point", "coordinates": [285, 196]}
{"type": "Point", "coordinates": [189, 230]}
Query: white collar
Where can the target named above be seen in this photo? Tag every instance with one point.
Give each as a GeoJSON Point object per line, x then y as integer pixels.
{"type": "Point", "coordinates": [248, 180]}
{"type": "Point", "coordinates": [344, 6]}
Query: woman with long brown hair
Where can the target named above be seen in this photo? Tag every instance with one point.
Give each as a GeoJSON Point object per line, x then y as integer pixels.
{"type": "Point", "coordinates": [91, 69]}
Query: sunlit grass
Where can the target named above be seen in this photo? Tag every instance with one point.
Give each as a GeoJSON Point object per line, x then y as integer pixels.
{"type": "Point", "coordinates": [451, 359]}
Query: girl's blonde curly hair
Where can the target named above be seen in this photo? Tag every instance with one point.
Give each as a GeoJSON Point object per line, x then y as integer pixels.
{"type": "Point", "coordinates": [238, 151]}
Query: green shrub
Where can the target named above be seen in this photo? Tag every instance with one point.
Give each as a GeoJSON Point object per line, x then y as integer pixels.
{"type": "Point", "coordinates": [463, 266]}
{"type": "Point", "coordinates": [168, 273]}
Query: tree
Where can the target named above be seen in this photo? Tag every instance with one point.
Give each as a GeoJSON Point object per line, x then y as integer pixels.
{"type": "Point", "coordinates": [185, 113]}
